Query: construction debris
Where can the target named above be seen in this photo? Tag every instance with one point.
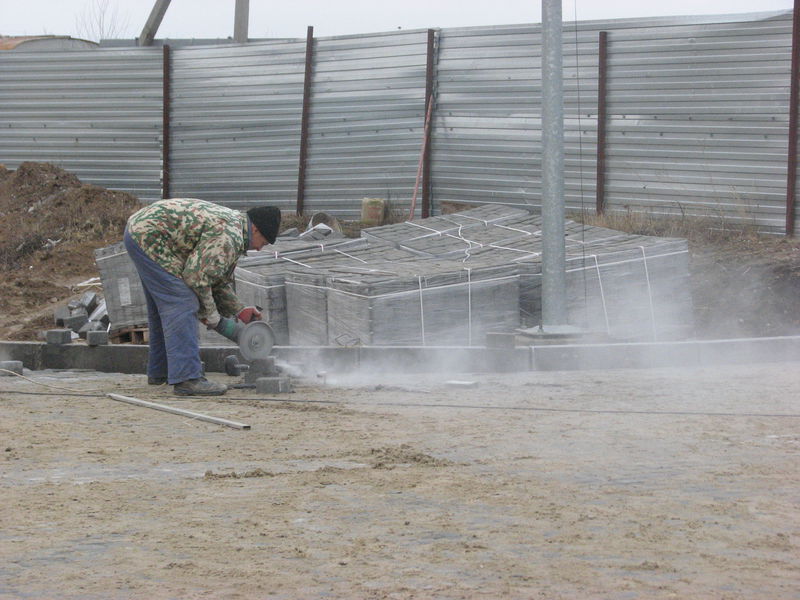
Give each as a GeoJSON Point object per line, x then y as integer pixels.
{"type": "Point", "coordinates": [88, 313]}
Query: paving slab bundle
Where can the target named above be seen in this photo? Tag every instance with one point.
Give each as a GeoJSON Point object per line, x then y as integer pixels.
{"type": "Point", "coordinates": [401, 233]}
{"type": "Point", "coordinates": [408, 303]}
{"type": "Point", "coordinates": [625, 286]}
{"type": "Point", "coordinates": [622, 285]}
{"type": "Point", "coordinates": [122, 288]}
{"type": "Point", "coordinates": [260, 281]}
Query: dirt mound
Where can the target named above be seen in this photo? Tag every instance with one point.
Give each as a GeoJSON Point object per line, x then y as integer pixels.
{"type": "Point", "coordinates": [50, 225]}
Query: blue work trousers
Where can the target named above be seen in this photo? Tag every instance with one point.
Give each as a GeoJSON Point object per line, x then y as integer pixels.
{"type": "Point", "coordinates": [172, 314]}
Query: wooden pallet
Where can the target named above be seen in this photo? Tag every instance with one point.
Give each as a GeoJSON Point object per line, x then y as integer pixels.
{"type": "Point", "coordinates": [130, 335]}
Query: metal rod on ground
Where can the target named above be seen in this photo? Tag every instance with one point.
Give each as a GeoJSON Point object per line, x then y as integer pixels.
{"type": "Point", "coordinates": [554, 280]}
{"type": "Point", "coordinates": [178, 411]}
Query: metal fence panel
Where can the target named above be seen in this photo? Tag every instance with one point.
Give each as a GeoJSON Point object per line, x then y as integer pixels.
{"type": "Point", "coordinates": [95, 113]}
{"type": "Point", "coordinates": [697, 117]}
{"type": "Point", "coordinates": [366, 121]}
{"type": "Point", "coordinates": [698, 112]}
{"type": "Point", "coordinates": [487, 130]}
{"type": "Point", "coordinates": [235, 121]}
{"type": "Point", "coordinates": [698, 120]}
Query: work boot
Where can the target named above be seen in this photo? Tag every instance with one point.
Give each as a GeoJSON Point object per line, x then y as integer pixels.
{"type": "Point", "coordinates": [156, 380]}
{"type": "Point", "coordinates": [199, 387]}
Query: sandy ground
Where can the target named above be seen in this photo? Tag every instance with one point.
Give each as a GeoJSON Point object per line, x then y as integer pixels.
{"type": "Point", "coordinates": [615, 484]}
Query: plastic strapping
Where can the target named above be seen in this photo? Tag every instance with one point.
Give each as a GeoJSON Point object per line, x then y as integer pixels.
{"type": "Point", "coordinates": [469, 307]}
{"type": "Point", "coordinates": [649, 294]}
{"type": "Point", "coordinates": [296, 262]}
{"type": "Point", "coordinates": [350, 256]}
{"type": "Point", "coordinates": [484, 221]}
{"type": "Point", "coordinates": [421, 311]}
{"type": "Point", "coordinates": [436, 231]}
{"type": "Point", "coordinates": [602, 293]}
{"type": "Point", "coordinates": [258, 285]}
{"type": "Point", "coordinates": [391, 294]}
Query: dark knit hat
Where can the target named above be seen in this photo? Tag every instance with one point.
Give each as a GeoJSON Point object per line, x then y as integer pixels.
{"type": "Point", "coordinates": [267, 220]}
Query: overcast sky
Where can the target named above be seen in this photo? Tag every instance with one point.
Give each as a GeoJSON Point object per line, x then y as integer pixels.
{"type": "Point", "coordinates": [289, 18]}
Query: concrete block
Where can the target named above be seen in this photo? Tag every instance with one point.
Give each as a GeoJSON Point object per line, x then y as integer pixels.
{"type": "Point", "coordinates": [261, 367]}
{"type": "Point", "coordinates": [58, 336]}
{"type": "Point", "coordinates": [15, 366]}
{"type": "Point", "coordinates": [75, 322]}
{"type": "Point", "coordinates": [89, 301]}
{"type": "Point", "coordinates": [61, 313]}
{"type": "Point", "coordinates": [273, 385]}
{"type": "Point", "coordinates": [501, 340]}
{"type": "Point", "coordinates": [97, 338]}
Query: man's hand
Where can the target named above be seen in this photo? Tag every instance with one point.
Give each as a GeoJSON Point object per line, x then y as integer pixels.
{"type": "Point", "coordinates": [250, 313]}
{"type": "Point", "coordinates": [211, 322]}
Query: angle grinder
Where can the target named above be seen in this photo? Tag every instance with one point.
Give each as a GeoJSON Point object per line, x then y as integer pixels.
{"type": "Point", "coordinates": [255, 339]}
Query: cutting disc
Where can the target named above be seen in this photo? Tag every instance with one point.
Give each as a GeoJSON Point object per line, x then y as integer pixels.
{"type": "Point", "coordinates": [256, 340]}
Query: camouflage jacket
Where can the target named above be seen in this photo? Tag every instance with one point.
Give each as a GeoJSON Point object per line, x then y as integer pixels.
{"type": "Point", "coordinates": [199, 242]}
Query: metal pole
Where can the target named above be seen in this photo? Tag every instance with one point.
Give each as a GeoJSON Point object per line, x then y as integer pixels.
{"type": "Point", "coordinates": [301, 168]}
{"type": "Point", "coordinates": [179, 411]}
{"type": "Point", "coordinates": [165, 124]}
{"type": "Point", "coordinates": [153, 22]}
{"type": "Point", "coordinates": [602, 79]}
{"type": "Point", "coordinates": [794, 98]}
{"type": "Point", "coordinates": [554, 288]}
{"type": "Point", "coordinates": [426, 165]}
{"type": "Point", "coordinates": [241, 18]}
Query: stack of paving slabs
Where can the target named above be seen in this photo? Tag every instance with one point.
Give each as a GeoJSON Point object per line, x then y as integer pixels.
{"type": "Point", "coordinates": [627, 287]}
{"type": "Point", "coordinates": [261, 281]}
{"type": "Point", "coordinates": [418, 231]}
{"type": "Point", "coordinates": [416, 302]}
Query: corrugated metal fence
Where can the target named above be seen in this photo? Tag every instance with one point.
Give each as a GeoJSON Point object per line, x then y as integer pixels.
{"type": "Point", "coordinates": [696, 123]}
{"type": "Point", "coordinates": [94, 113]}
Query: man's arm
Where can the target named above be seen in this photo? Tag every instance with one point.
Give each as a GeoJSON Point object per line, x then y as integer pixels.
{"type": "Point", "coordinates": [208, 267]}
{"type": "Point", "coordinates": [226, 300]}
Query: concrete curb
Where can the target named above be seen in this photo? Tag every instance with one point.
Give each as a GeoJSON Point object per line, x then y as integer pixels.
{"type": "Point", "coordinates": [128, 358]}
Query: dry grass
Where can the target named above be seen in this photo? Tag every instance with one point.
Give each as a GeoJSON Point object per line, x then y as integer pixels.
{"type": "Point", "coordinates": [351, 229]}
{"type": "Point", "coordinates": [699, 231]}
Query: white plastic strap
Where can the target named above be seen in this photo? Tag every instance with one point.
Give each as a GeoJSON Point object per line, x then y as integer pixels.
{"type": "Point", "coordinates": [484, 221]}
{"type": "Point", "coordinates": [649, 294]}
{"type": "Point", "coordinates": [602, 293]}
{"type": "Point", "coordinates": [350, 256]}
{"type": "Point", "coordinates": [296, 262]}
{"type": "Point", "coordinates": [621, 262]}
{"type": "Point", "coordinates": [517, 229]}
{"type": "Point", "coordinates": [421, 311]}
{"type": "Point", "coordinates": [392, 294]}
{"type": "Point", "coordinates": [435, 231]}
{"type": "Point", "coordinates": [469, 307]}
{"type": "Point", "coordinates": [258, 285]}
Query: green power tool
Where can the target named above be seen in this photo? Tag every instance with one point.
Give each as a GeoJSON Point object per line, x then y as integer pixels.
{"type": "Point", "coordinates": [255, 339]}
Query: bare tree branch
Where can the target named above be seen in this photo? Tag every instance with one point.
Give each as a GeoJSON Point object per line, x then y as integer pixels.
{"type": "Point", "coordinates": [101, 20]}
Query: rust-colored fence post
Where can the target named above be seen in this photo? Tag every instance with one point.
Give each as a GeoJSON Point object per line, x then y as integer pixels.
{"type": "Point", "coordinates": [426, 164]}
{"type": "Point", "coordinates": [301, 169]}
{"type": "Point", "coordinates": [165, 129]}
{"type": "Point", "coordinates": [794, 97]}
{"type": "Point", "coordinates": [602, 71]}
